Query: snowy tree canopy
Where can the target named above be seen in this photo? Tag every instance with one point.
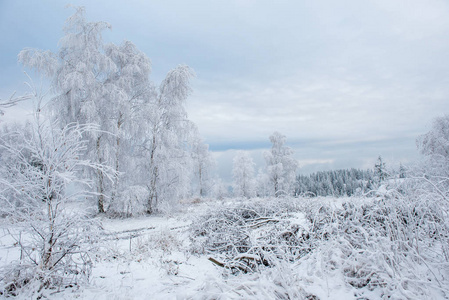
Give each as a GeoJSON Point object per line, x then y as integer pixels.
{"type": "Point", "coordinates": [142, 130]}
{"type": "Point", "coordinates": [243, 175]}
{"type": "Point", "coordinates": [281, 166]}
{"type": "Point", "coordinates": [435, 143]}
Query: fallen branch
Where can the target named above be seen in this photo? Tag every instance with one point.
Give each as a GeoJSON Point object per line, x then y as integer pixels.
{"type": "Point", "coordinates": [220, 264]}
{"type": "Point", "coordinates": [264, 221]}
{"type": "Point", "coordinates": [216, 262]}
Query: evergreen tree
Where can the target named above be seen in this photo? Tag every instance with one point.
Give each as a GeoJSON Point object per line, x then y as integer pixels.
{"type": "Point", "coordinates": [380, 170]}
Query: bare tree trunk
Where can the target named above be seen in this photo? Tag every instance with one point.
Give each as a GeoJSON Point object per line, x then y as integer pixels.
{"type": "Point", "coordinates": [200, 181]}
{"type": "Point", "coordinates": [100, 186]}
{"type": "Point", "coordinates": [46, 255]}
{"type": "Point", "coordinates": [276, 186]}
{"type": "Point", "coordinates": [117, 152]}
{"type": "Point", "coordinates": [152, 199]}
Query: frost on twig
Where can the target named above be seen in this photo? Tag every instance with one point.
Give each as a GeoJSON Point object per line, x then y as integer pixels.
{"type": "Point", "coordinates": [13, 100]}
{"type": "Point", "coordinates": [39, 162]}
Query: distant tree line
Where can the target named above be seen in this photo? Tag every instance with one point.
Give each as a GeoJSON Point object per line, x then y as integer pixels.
{"type": "Point", "coordinates": [346, 182]}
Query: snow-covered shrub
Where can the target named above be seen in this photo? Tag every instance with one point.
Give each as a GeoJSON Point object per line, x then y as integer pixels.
{"type": "Point", "coordinates": [160, 243]}
{"type": "Point", "coordinates": [166, 240]}
{"type": "Point", "coordinates": [387, 245]}
{"type": "Point", "coordinates": [390, 246]}
{"type": "Point", "coordinates": [271, 283]}
{"type": "Point", "coordinates": [41, 163]}
{"type": "Point", "coordinates": [252, 234]}
{"type": "Point", "coordinates": [64, 263]}
{"type": "Point", "coordinates": [131, 202]}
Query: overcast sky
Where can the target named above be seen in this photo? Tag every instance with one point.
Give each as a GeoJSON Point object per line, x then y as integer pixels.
{"type": "Point", "coordinates": [345, 81]}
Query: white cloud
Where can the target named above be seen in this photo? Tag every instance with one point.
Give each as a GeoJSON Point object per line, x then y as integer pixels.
{"type": "Point", "coordinates": [321, 108]}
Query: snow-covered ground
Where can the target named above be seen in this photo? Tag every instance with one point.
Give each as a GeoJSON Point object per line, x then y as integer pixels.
{"type": "Point", "coordinates": [137, 258]}
{"type": "Point", "coordinates": [151, 257]}
{"type": "Point", "coordinates": [146, 258]}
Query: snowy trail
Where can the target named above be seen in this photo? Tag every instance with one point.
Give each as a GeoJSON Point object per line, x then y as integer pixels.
{"type": "Point", "coordinates": [145, 259]}
{"type": "Point", "coordinates": [127, 234]}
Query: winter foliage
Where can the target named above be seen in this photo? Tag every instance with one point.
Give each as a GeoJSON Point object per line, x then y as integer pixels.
{"type": "Point", "coordinates": [38, 165]}
{"type": "Point", "coordinates": [243, 175]}
{"type": "Point", "coordinates": [142, 129]}
{"type": "Point", "coordinates": [110, 191]}
{"type": "Point", "coordinates": [281, 166]}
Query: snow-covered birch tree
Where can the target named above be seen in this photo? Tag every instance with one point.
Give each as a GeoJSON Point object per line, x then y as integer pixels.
{"type": "Point", "coordinates": [243, 175]}
{"type": "Point", "coordinates": [262, 183]}
{"type": "Point", "coordinates": [142, 132]}
{"type": "Point", "coordinates": [202, 162]}
{"type": "Point", "coordinates": [169, 132]}
{"type": "Point", "coordinates": [126, 89]}
{"type": "Point", "coordinates": [79, 73]}
{"type": "Point", "coordinates": [281, 166]}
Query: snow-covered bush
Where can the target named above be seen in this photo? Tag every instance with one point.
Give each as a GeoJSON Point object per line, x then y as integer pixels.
{"type": "Point", "coordinates": [40, 164]}
{"type": "Point", "coordinates": [384, 245]}
{"type": "Point", "coordinates": [272, 283]}
{"type": "Point", "coordinates": [393, 246]}
{"type": "Point", "coordinates": [251, 235]}
{"type": "Point", "coordinates": [131, 202]}
{"type": "Point", "coordinates": [165, 240]}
